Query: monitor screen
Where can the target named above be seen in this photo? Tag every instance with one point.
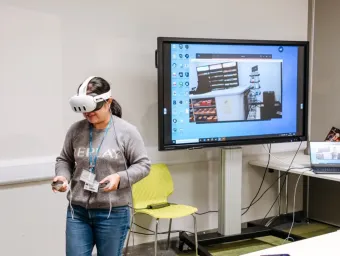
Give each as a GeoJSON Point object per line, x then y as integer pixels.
{"type": "Point", "coordinates": [220, 92]}
{"type": "Point", "coordinates": [325, 153]}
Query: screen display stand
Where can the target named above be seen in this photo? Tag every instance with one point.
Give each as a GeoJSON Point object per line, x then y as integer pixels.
{"type": "Point", "coordinates": [230, 192]}
{"type": "Point", "coordinates": [230, 210]}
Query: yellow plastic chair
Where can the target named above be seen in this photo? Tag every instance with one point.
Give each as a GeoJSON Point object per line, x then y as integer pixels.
{"type": "Point", "coordinates": [155, 189]}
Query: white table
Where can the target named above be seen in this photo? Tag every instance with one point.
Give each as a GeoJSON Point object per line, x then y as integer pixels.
{"type": "Point", "coordinates": [300, 161]}
{"type": "Point", "coordinates": [281, 161]}
{"type": "Point", "coordinates": [324, 245]}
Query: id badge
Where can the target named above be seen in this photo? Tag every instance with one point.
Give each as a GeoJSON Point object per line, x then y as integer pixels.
{"type": "Point", "coordinates": [92, 187]}
{"type": "Point", "coordinates": [87, 177]}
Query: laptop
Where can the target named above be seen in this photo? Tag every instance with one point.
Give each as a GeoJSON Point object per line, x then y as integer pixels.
{"type": "Point", "coordinates": [325, 157]}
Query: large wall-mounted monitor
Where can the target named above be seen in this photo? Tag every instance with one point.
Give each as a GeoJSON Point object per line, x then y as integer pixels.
{"type": "Point", "coordinates": [216, 92]}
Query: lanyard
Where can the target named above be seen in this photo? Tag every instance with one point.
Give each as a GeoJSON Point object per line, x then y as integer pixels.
{"type": "Point", "coordinates": [93, 164]}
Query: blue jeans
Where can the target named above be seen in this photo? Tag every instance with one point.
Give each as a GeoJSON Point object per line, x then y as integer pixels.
{"type": "Point", "coordinates": [93, 227]}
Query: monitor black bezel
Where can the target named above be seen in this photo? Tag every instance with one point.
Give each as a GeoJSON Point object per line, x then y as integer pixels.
{"type": "Point", "coordinates": [242, 142]}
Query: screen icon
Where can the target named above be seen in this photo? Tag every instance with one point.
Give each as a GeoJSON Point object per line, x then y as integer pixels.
{"type": "Point", "coordinates": [186, 83]}
{"type": "Point", "coordinates": [187, 56]}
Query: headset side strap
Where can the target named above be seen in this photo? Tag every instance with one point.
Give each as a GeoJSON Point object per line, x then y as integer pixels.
{"type": "Point", "coordinates": [103, 96]}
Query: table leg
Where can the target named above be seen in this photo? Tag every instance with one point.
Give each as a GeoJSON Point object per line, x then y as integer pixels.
{"type": "Point", "coordinates": [279, 191]}
{"type": "Point", "coordinates": [287, 193]}
{"type": "Point", "coordinates": [306, 195]}
{"type": "Point", "coordinates": [307, 203]}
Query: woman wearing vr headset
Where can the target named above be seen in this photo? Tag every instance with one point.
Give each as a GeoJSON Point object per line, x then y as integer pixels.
{"type": "Point", "coordinates": [102, 157]}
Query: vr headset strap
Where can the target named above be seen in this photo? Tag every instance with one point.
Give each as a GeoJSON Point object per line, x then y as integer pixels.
{"type": "Point", "coordinates": [83, 87]}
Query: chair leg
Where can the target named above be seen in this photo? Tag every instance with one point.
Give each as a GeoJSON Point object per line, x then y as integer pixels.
{"type": "Point", "coordinates": [156, 232]}
{"type": "Point", "coordinates": [168, 246]}
{"type": "Point", "coordinates": [196, 240]}
{"type": "Point", "coordinates": [129, 233]}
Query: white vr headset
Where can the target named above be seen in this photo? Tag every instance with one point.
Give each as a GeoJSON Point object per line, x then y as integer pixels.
{"type": "Point", "coordinates": [83, 103]}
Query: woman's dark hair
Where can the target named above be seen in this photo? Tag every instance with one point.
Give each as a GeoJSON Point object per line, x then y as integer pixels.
{"type": "Point", "coordinates": [99, 86]}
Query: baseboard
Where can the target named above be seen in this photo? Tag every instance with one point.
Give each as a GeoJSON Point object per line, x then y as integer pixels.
{"type": "Point", "coordinates": [174, 238]}
{"type": "Point", "coordinates": [298, 216]}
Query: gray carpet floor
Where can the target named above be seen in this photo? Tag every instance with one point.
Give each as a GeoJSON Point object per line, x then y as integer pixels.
{"type": "Point", "coordinates": [236, 248]}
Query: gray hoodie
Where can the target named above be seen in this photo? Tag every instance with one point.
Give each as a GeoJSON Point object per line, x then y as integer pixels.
{"type": "Point", "coordinates": [74, 157]}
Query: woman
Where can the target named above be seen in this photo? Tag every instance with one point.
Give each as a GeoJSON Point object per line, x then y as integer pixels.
{"type": "Point", "coordinates": [113, 150]}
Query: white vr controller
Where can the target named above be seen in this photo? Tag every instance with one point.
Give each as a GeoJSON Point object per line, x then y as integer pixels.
{"type": "Point", "coordinates": [83, 103]}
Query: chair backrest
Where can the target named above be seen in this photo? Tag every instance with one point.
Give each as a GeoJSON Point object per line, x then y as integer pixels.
{"type": "Point", "coordinates": [154, 188]}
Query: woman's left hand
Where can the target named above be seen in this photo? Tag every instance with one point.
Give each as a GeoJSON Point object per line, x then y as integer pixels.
{"type": "Point", "coordinates": [113, 180]}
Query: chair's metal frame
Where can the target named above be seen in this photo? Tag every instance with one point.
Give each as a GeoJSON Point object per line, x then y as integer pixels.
{"type": "Point", "coordinates": [156, 235]}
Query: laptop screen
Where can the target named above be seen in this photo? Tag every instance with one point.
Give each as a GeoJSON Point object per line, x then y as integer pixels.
{"type": "Point", "coordinates": [325, 153]}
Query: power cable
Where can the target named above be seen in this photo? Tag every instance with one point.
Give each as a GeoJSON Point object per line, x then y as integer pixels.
{"type": "Point", "coordinates": [293, 221]}
{"type": "Point", "coordinates": [258, 191]}
{"type": "Point", "coordinates": [165, 232]}
{"type": "Point", "coordinates": [285, 178]}
{"type": "Point", "coordinates": [284, 174]}
{"type": "Point", "coordinates": [203, 213]}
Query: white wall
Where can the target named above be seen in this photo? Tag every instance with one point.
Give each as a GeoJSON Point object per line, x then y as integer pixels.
{"type": "Point", "coordinates": [30, 67]}
{"type": "Point", "coordinates": [326, 67]}
{"type": "Point", "coordinates": [49, 48]}
{"type": "Point", "coordinates": [325, 101]}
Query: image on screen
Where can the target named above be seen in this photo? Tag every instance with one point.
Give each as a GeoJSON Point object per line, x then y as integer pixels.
{"type": "Point", "coordinates": [224, 92]}
{"type": "Point", "coordinates": [240, 90]}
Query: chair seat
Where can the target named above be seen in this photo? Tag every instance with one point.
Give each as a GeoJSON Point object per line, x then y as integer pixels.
{"type": "Point", "coordinates": [170, 212]}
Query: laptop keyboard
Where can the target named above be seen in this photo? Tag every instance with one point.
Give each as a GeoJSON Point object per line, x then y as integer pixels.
{"type": "Point", "coordinates": [327, 169]}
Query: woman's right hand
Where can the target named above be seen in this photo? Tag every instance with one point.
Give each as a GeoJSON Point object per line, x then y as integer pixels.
{"type": "Point", "coordinates": [63, 188]}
